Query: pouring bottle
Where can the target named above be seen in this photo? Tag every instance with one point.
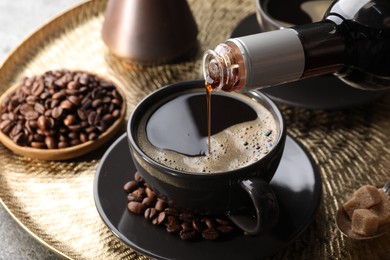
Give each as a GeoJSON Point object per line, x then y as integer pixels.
{"type": "Point", "coordinates": [352, 41]}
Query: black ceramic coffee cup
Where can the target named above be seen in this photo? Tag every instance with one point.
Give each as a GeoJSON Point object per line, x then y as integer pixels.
{"type": "Point", "coordinates": [242, 194]}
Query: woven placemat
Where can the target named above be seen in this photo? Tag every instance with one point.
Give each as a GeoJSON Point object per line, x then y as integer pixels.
{"type": "Point", "coordinates": [54, 200]}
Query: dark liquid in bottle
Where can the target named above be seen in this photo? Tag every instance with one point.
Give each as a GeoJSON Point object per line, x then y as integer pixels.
{"type": "Point", "coordinates": [181, 124]}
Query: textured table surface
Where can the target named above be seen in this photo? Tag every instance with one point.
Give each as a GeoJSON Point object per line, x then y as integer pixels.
{"type": "Point", "coordinates": [18, 19]}
{"type": "Point", "coordinates": [350, 146]}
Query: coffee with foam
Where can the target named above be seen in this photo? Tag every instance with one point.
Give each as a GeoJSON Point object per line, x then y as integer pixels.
{"type": "Point", "coordinates": [173, 132]}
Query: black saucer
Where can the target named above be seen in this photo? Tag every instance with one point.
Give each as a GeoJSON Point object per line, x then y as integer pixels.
{"type": "Point", "coordinates": [322, 92]}
{"type": "Point", "coordinates": [297, 185]}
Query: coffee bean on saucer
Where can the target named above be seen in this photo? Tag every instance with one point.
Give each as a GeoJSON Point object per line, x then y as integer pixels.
{"type": "Point", "coordinates": [225, 229]}
{"type": "Point", "coordinates": [138, 177]}
{"type": "Point", "coordinates": [187, 225]}
{"type": "Point", "coordinates": [130, 186]}
{"type": "Point", "coordinates": [160, 205]}
{"type": "Point", "coordinates": [161, 218]}
{"type": "Point", "coordinates": [150, 213]}
{"type": "Point", "coordinates": [134, 197]}
{"type": "Point", "coordinates": [187, 235]}
{"type": "Point", "coordinates": [198, 225]}
{"type": "Point", "coordinates": [149, 202]}
{"type": "Point", "coordinates": [173, 227]}
{"type": "Point", "coordinates": [173, 224]}
{"type": "Point", "coordinates": [150, 193]}
{"type": "Point", "coordinates": [210, 234]}
{"type": "Point", "coordinates": [171, 211]}
{"type": "Point", "coordinates": [136, 207]}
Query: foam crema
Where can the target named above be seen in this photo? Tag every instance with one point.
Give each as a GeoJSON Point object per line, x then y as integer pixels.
{"type": "Point", "coordinates": [235, 147]}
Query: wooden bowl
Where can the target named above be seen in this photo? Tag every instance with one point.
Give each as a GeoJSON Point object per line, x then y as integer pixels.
{"type": "Point", "coordinates": [70, 152]}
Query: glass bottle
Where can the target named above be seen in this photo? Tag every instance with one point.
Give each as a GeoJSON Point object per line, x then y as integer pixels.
{"type": "Point", "coordinates": [352, 41]}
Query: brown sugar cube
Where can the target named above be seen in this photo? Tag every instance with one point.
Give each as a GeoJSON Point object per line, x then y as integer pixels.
{"type": "Point", "coordinates": [382, 210]}
{"type": "Point", "coordinates": [364, 222]}
{"type": "Point", "coordinates": [363, 198]}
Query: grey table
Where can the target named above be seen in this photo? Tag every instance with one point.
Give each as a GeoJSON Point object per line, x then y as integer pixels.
{"type": "Point", "coordinates": [18, 19]}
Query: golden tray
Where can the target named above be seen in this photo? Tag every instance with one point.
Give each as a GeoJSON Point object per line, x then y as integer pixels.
{"type": "Point", "coordinates": [54, 201]}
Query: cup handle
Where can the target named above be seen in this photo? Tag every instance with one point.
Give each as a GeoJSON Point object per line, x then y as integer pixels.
{"type": "Point", "coordinates": [265, 205]}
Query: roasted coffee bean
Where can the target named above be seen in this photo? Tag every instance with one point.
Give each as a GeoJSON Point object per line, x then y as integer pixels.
{"type": "Point", "coordinates": [223, 222]}
{"type": "Point", "coordinates": [39, 138]}
{"type": "Point", "coordinates": [20, 139]}
{"type": "Point", "coordinates": [186, 216]}
{"type": "Point", "coordinates": [116, 113]}
{"type": "Point", "coordinates": [225, 229]}
{"type": "Point", "coordinates": [31, 100]}
{"type": "Point", "coordinates": [139, 191]}
{"type": "Point", "coordinates": [198, 225]}
{"type": "Point", "coordinates": [74, 99]}
{"type": "Point", "coordinates": [150, 202]}
{"type": "Point", "coordinates": [210, 223]}
{"type": "Point", "coordinates": [161, 218]}
{"type": "Point", "coordinates": [31, 115]}
{"type": "Point", "coordinates": [69, 120]}
{"type": "Point", "coordinates": [149, 192]}
{"type": "Point", "coordinates": [18, 128]}
{"type": "Point", "coordinates": [37, 88]}
{"type": "Point", "coordinates": [75, 142]}
{"type": "Point", "coordinates": [116, 101]}
{"type": "Point", "coordinates": [83, 138]}
{"type": "Point", "coordinates": [50, 142]}
{"type": "Point", "coordinates": [173, 224]}
{"type": "Point", "coordinates": [150, 213]}
{"type": "Point", "coordinates": [130, 186]}
{"type": "Point", "coordinates": [4, 117]}
{"type": "Point", "coordinates": [59, 95]}
{"type": "Point", "coordinates": [187, 235]}
{"type": "Point", "coordinates": [138, 177]}
{"type": "Point", "coordinates": [66, 104]}
{"type": "Point", "coordinates": [91, 117]}
{"type": "Point", "coordinates": [39, 108]}
{"type": "Point", "coordinates": [72, 85]}
{"type": "Point", "coordinates": [136, 207]}
{"type": "Point", "coordinates": [39, 145]}
{"type": "Point", "coordinates": [75, 128]}
{"type": "Point", "coordinates": [43, 123]}
{"type": "Point", "coordinates": [108, 119]}
{"type": "Point", "coordinates": [63, 145]}
{"type": "Point", "coordinates": [171, 211]}
{"type": "Point", "coordinates": [186, 226]}
{"type": "Point", "coordinates": [84, 79]}
{"type": "Point", "coordinates": [210, 234]}
{"type": "Point", "coordinates": [173, 227]}
{"type": "Point", "coordinates": [93, 136]}
{"type": "Point", "coordinates": [6, 126]}
{"type": "Point", "coordinates": [97, 103]}
{"type": "Point", "coordinates": [160, 205]}
{"type": "Point", "coordinates": [134, 197]}
{"type": "Point", "coordinates": [82, 114]}
{"type": "Point", "coordinates": [24, 108]}
{"type": "Point", "coordinates": [73, 135]}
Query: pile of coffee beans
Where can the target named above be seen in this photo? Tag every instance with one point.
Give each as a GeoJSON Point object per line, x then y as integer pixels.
{"type": "Point", "coordinates": [59, 109]}
{"type": "Point", "coordinates": [189, 226]}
